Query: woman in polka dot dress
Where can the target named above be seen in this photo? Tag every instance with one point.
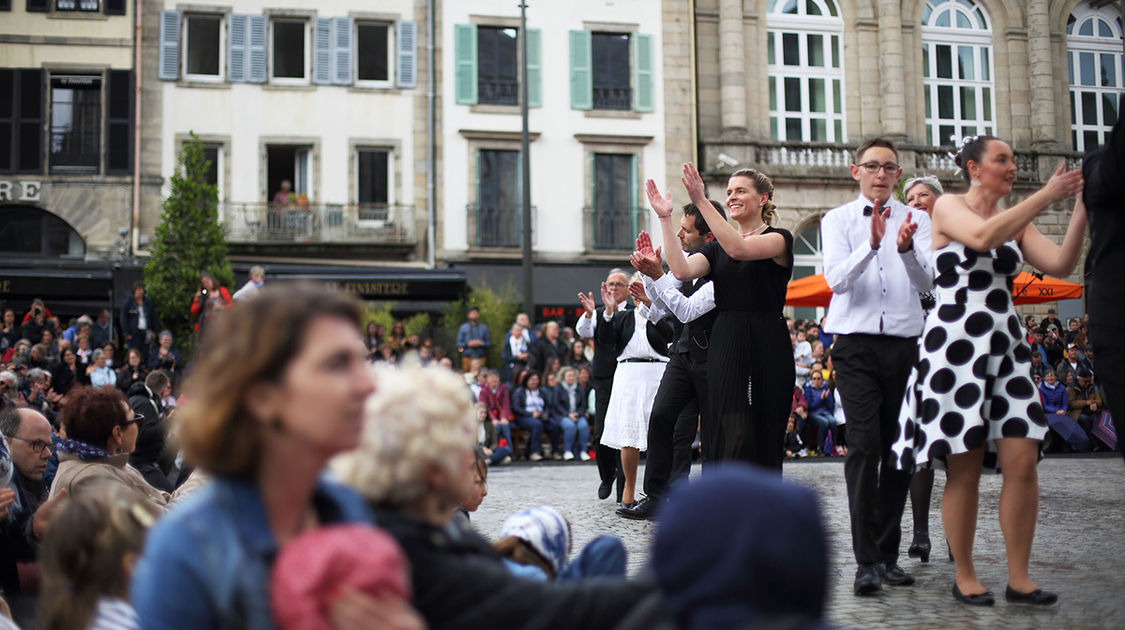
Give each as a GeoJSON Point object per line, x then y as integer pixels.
{"type": "Point", "coordinates": [970, 404]}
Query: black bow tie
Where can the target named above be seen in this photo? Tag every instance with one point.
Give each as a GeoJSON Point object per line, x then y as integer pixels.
{"type": "Point", "coordinates": [867, 211]}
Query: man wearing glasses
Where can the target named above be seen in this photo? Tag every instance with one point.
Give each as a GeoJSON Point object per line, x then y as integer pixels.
{"type": "Point", "coordinates": [29, 440]}
{"type": "Point", "coordinates": [876, 261]}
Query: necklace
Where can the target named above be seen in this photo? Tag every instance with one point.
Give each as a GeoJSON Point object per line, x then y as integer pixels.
{"type": "Point", "coordinates": [755, 230]}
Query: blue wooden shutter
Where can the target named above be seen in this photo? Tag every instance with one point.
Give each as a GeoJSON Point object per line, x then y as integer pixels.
{"type": "Point", "coordinates": [642, 73]}
{"type": "Point", "coordinates": [256, 48]}
{"type": "Point", "coordinates": [465, 63]}
{"type": "Point", "coordinates": [406, 43]}
{"type": "Point", "coordinates": [236, 49]}
{"type": "Point", "coordinates": [322, 51]}
{"type": "Point", "coordinates": [169, 66]}
{"type": "Point", "coordinates": [581, 77]}
{"type": "Point", "coordinates": [342, 50]}
{"type": "Point", "coordinates": [534, 68]}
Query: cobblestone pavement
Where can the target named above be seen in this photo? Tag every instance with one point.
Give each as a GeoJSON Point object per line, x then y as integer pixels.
{"type": "Point", "coordinates": [1077, 548]}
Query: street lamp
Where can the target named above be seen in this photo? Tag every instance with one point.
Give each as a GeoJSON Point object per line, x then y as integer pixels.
{"type": "Point", "coordinates": [525, 154]}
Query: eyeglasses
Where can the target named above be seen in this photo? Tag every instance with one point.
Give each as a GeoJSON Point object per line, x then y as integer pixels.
{"type": "Point", "coordinates": [136, 419]}
{"type": "Point", "coordinates": [616, 284]}
{"type": "Point", "coordinates": [37, 446]}
{"type": "Point", "coordinates": [873, 167]}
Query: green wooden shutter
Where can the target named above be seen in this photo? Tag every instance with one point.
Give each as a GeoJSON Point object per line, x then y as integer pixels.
{"type": "Point", "coordinates": [465, 63]}
{"type": "Point", "coordinates": [581, 77]}
{"type": "Point", "coordinates": [534, 68]}
{"type": "Point", "coordinates": [642, 73]}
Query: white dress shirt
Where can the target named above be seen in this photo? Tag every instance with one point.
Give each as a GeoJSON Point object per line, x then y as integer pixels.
{"type": "Point", "coordinates": [667, 298]}
{"type": "Point", "coordinates": [875, 291]}
{"type": "Point", "coordinates": [638, 346]}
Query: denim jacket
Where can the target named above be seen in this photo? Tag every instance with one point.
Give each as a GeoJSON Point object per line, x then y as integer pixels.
{"type": "Point", "coordinates": [206, 563]}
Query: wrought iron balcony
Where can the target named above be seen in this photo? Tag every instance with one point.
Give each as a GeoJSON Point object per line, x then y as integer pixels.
{"type": "Point", "coordinates": [612, 228]}
{"type": "Point", "coordinates": [498, 92]}
{"type": "Point", "coordinates": [613, 98]}
{"type": "Point", "coordinates": [498, 226]}
{"type": "Point", "coordinates": [356, 224]}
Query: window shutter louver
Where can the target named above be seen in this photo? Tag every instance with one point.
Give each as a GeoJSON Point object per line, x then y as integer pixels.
{"type": "Point", "coordinates": [322, 51]}
{"type": "Point", "coordinates": [581, 75]}
{"type": "Point", "coordinates": [256, 48]}
{"type": "Point", "coordinates": [406, 43]}
{"type": "Point", "coordinates": [534, 68]}
{"type": "Point", "coordinates": [236, 49]}
{"type": "Point", "coordinates": [342, 51]}
{"type": "Point", "coordinates": [465, 63]}
{"type": "Point", "coordinates": [119, 121]}
{"type": "Point", "coordinates": [169, 66]}
{"type": "Point", "coordinates": [642, 73]}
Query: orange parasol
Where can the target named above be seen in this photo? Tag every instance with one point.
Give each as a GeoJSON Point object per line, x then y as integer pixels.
{"type": "Point", "coordinates": [1030, 288]}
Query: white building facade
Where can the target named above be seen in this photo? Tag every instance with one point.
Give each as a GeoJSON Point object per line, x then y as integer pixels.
{"type": "Point", "coordinates": [307, 109]}
{"type": "Point", "coordinates": [596, 125]}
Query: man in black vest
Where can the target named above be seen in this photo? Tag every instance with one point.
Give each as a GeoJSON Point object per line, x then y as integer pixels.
{"type": "Point", "coordinates": [615, 291]}
{"type": "Point", "coordinates": [1103, 193]}
{"type": "Point", "coordinates": [683, 389]}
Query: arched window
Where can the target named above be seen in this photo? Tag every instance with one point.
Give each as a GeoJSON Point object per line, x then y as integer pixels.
{"type": "Point", "coordinates": [805, 71]}
{"type": "Point", "coordinates": [27, 232]}
{"type": "Point", "coordinates": [1093, 42]}
{"type": "Point", "coordinates": [957, 71]}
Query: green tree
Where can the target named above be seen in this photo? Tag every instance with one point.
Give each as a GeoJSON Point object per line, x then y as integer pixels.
{"type": "Point", "coordinates": [497, 311]}
{"type": "Point", "coordinates": [188, 241]}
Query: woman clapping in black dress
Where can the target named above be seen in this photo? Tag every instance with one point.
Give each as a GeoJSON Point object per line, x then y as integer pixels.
{"type": "Point", "coordinates": [749, 387]}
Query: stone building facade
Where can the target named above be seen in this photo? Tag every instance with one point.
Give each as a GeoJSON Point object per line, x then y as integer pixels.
{"type": "Point", "coordinates": [791, 87]}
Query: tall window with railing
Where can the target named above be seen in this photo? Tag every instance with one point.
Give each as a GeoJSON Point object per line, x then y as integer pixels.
{"type": "Point", "coordinates": [498, 212]}
{"type": "Point", "coordinates": [497, 69]}
{"type": "Point", "coordinates": [957, 71]}
{"type": "Point", "coordinates": [614, 215]}
{"type": "Point", "coordinates": [1093, 41]}
{"type": "Point", "coordinates": [805, 71]}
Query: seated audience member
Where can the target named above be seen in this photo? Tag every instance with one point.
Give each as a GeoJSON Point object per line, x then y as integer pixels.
{"type": "Point", "coordinates": [69, 373]}
{"type": "Point", "coordinates": [495, 448]}
{"type": "Point", "coordinates": [98, 372]}
{"type": "Point", "coordinates": [1038, 368]}
{"type": "Point", "coordinates": [150, 456]}
{"type": "Point", "coordinates": [132, 372]}
{"type": "Point", "coordinates": [745, 567]}
{"type": "Point", "coordinates": [548, 346]}
{"type": "Point", "coordinates": [497, 402]}
{"type": "Point", "coordinates": [799, 409]}
{"type": "Point", "coordinates": [28, 434]}
{"type": "Point", "coordinates": [576, 358]}
{"type": "Point", "coordinates": [794, 446]}
{"type": "Point", "coordinates": [569, 410]}
{"type": "Point", "coordinates": [822, 410]}
{"type": "Point", "coordinates": [416, 447]}
{"type": "Point", "coordinates": [88, 556]}
{"type": "Point", "coordinates": [1072, 363]}
{"type": "Point", "coordinates": [277, 389]}
{"type": "Point", "coordinates": [536, 542]}
{"type": "Point", "coordinates": [1084, 401]}
{"type": "Point", "coordinates": [164, 356]}
{"type": "Point", "coordinates": [101, 432]}
{"type": "Point", "coordinates": [1065, 434]}
{"type": "Point", "coordinates": [531, 413]}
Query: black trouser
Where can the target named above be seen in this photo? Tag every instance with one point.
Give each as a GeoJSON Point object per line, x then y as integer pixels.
{"type": "Point", "coordinates": [609, 459]}
{"type": "Point", "coordinates": [1109, 366]}
{"type": "Point", "coordinates": [871, 374]}
{"type": "Point", "coordinates": [672, 423]}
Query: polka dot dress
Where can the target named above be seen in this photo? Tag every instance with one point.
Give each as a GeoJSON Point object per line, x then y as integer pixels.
{"type": "Point", "coordinates": [972, 382]}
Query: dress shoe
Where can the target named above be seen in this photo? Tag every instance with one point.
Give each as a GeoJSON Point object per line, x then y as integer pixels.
{"type": "Point", "coordinates": [867, 580]}
{"type": "Point", "coordinates": [893, 574]}
{"type": "Point", "coordinates": [643, 510]}
{"type": "Point", "coordinates": [920, 547]}
{"type": "Point", "coordinates": [604, 489]}
{"type": "Point", "coordinates": [1038, 597]}
{"type": "Point", "coordinates": [979, 599]}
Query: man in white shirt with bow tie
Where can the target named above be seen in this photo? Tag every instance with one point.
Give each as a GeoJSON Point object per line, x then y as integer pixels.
{"type": "Point", "coordinates": [876, 261]}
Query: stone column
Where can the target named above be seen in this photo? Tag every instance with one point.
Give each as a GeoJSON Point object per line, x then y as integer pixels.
{"type": "Point", "coordinates": [1042, 79]}
{"type": "Point", "coordinates": [732, 60]}
{"type": "Point", "coordinates": [871, 88]}
{"type": "Point", "coordinates": [891, 73]}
